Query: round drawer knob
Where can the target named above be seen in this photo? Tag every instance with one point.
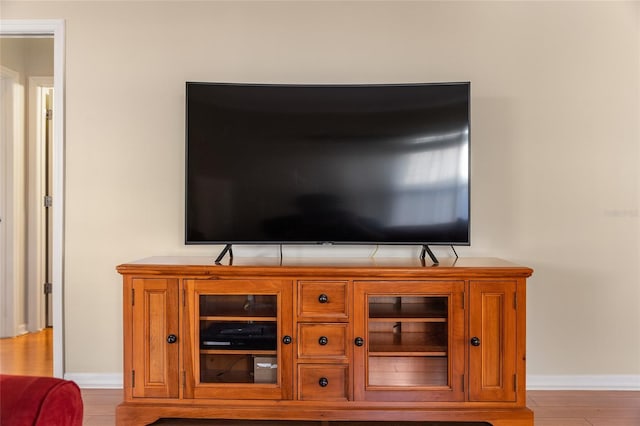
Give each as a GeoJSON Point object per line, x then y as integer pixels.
{"type": "Point", "coordinates": [287, 340]}
{"type": "Point", "coordinates": [323, 298]}
{"type": "Point", "coordinates": [323, 382]}
{"type": "Point", "coordinates": [475, 341]}
{"type": "Point", "coordinates": [323, 340]}
{"type": "Point", "coordinates": [359, 341]}
{"type": "Point", "coordinates": [172, 338]}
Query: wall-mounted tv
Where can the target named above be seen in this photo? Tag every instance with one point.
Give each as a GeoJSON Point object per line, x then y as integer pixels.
{"type": "Point", "coordinates": [342, 164]}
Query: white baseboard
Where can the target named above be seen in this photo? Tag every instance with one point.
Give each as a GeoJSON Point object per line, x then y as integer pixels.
{"type": "Point", "coordinates": [629, 382]}
{"type": "Point", "coordinates": [96, 381]}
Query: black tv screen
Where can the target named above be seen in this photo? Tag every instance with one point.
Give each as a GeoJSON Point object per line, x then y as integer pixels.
{"type": "Point", "coordinates": [369, 164]}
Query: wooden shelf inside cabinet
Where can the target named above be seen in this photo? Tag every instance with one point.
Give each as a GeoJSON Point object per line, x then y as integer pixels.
{"type": "Point", "coordinates": [237, 352]}
{"type": "Point", "coordinates": [388, 311]}
{"type": "Point", "coordinates": [404, 344]}
{"type": "Point", "coordinates": [234, 306]}
{"type": "Point", "coordinates": [236, 318]}
{"type": "Point", "coordinates": [222, 376]}
{"type": "Point", "coordinates": [407, 372]}
{"type": "Point", "coordinates": [408, 320]}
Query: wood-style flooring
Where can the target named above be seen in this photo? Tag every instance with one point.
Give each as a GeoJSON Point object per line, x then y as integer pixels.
{"type": "Point", "coordinates": [31, 355]}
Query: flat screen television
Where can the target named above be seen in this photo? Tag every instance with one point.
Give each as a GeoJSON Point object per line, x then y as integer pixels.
{"type": "Point", "coordinates": [337, 164]}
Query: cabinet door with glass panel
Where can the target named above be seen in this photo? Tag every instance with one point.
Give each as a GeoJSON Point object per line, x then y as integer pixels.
{"type": "Point", "coordinates": [239, 339]}
{"type": "Point", "coordinates": [409, 341]}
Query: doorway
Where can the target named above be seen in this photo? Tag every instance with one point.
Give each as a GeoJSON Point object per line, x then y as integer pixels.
{"type": "Point", "coordinates": [50, 92]}
{"type": "Point", "coordinates": [27, 100]}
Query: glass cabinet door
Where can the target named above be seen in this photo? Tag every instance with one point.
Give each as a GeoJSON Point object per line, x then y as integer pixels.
{"type": "Point", "coordinates": [411, 339]}
{"type": "Point", "coordinates": [239, 344]}
{"type": "Point", "coordinates": [238, 338]}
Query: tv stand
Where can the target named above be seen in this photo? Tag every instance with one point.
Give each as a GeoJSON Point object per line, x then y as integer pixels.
{"type": "Point", "coordinates": [427, 250]}
{"type": "Point", "coordinates": [227, 248]}
{"type": "Point", "coordinates": [324, 340]}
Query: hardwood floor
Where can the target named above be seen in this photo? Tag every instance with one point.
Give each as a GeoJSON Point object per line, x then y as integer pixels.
{"type": "Point", "coordinates": [551, 408]}
{"type": "Point", "coordinates": [585, 408]}
{"type": "Point", "coordinates": [31, 355]}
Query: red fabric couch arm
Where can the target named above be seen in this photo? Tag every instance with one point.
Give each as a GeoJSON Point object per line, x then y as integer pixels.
{"type": "Point", "coordinates": [39, 401]}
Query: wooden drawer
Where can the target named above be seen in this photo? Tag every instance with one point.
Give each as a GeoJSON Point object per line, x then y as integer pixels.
{"type": "Point", "coordinates": [322, 341]}
{"type": "Point", "coordinates": [318, 382]}
{"type": "Point", "coordinates": [323, 300]}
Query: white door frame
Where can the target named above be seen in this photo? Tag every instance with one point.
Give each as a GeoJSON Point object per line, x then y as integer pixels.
{"type": "Point", "coordinates": [55, 28]}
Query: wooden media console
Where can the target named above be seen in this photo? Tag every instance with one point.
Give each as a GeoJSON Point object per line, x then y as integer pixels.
{"type": "Point", "coordinates": [324, 339]}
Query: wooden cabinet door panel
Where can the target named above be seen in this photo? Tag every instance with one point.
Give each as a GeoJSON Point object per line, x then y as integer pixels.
{"type": "Point", "coordinates": [492, 353]}
{"type": "Point", "coordinates": [409, 351]}
{"type": "Point", "coordinates": [155, 318]}
{"type": "Point", "coordinates": [208, 367]}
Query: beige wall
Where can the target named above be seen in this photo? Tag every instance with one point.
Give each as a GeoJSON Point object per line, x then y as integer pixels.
{"type": "Point", "coordinates": [555, 142]}
{"type": "Point", "coordinates": [32, 56]}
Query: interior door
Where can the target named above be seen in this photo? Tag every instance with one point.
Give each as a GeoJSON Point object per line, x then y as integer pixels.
{"type": "Point", "coordinates": [155, 335]}
{"type": "Point", "coordinates": [3, 201]}
{"type": "Point", "coordinates": [48, 143]}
